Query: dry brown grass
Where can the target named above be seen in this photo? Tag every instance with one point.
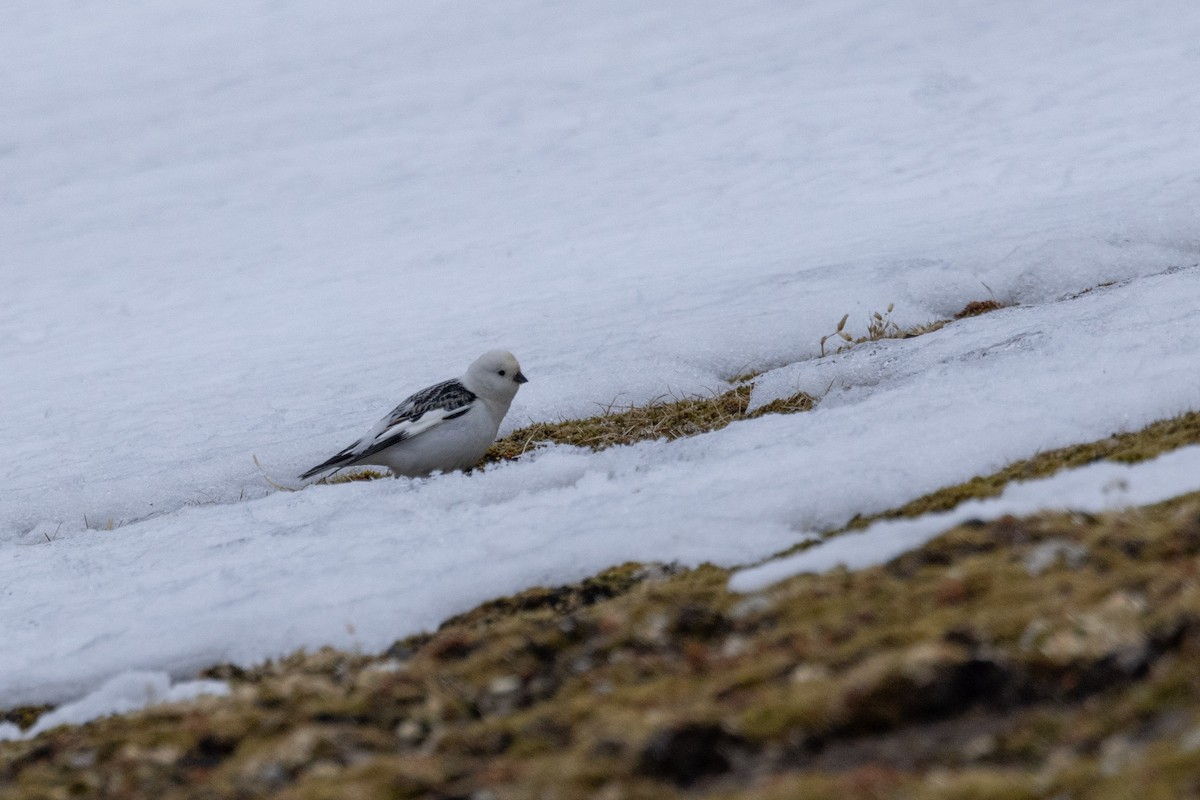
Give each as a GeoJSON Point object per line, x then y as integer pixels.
{"type": "Point", "coordinates": [977, 307]}
{"type": "Point", "coordinates": [354, 474]}
{"type": "Point", "coordinates": [880, 325]}
{"type": "Point", "coordinates": [663, 418]}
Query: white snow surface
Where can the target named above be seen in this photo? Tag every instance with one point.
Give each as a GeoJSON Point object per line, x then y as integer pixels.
{"type": "Point", "coordinates": [235, 229]}
{"type": "Point", "coordinates": [121, 694]}
{"type": "Point", "coordinates": [1104, 486]}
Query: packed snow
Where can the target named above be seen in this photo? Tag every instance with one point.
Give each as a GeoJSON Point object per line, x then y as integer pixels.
{"type": "Point", "coordinates": [121, 694]}
{"type": "Point", "coordinates": [1097, 487]}
{"type": "Point", "coordinates": [243, 229]}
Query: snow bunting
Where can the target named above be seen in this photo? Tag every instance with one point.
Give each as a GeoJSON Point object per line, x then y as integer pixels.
{"type": "Point", "coordinates": [447, 426]}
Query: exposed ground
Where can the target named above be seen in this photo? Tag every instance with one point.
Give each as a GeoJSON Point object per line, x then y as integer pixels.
{"type": "Point", "coordinates": [1051, 656]}
{"type": "Point", "coordinates": [1044, 657]}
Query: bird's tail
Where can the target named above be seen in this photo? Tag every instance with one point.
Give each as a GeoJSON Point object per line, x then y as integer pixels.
{"type": "Point", "coordinates": [342, 459]}
{"type": "Point", "coordinates": [309, 473]}
{"type": "Point", "coordinates": [332, 463]}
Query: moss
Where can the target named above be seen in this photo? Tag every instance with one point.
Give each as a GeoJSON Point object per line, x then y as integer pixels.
{"type": "Point", "coordinates": [798, 708]}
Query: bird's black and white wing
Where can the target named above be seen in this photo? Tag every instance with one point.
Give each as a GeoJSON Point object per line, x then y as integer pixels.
{"type": "Point", "coordinates": [426, 409]}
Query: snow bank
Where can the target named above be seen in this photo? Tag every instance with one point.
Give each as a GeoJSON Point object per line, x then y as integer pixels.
{"type": "Point", "coordinates": [360, 565]}
{"type": "Point", "coordinates": [121, 694]}
{"type": "Point", "coordinates": [234, 228]}
{"type": "Point", "coordinates": [1097, 487]}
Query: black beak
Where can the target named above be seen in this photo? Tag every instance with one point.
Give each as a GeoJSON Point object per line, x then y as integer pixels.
{"type": "Point", "coordinates": [520, 378]}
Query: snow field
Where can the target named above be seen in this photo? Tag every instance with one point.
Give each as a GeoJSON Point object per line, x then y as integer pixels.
{"type": "Point", "coordinates": [360, 565]}
{"type": "Point", "coordinates": [237, 229]}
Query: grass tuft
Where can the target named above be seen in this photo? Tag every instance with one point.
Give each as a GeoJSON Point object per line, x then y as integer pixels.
{"type": "Point", "coordinates": [660, 419]}
{"type": "Point", "coordinates": [880, 325]}
{"type": "Point", "coordinates": [355, 474]}
{"type": "Point", "coordinates": [977, 307]}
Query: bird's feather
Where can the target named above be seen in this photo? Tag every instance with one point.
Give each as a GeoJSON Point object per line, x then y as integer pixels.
{"type": "Point", "coordinates": [417, 414]}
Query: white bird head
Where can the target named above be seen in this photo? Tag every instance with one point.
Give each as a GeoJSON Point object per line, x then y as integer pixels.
{"type": "Point", "coordinates": [495, 375]}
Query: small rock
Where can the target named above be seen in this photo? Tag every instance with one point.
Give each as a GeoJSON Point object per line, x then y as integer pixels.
{"type": "Point", "coordinates": [163, 755]}
{"type": "Point", "coordinates": [805, 673]}
{"type": "Point", "coordinates": [734, 646]}
{"type": "Point", "coordinates": [655, 629]}
{"type": "Point", "coordinates": [752, 606]}
{"type": "Point", "coordinates": [505, 684]}
{"type": "Point", "coordinates": [1048, 553]}
{"type": "Point", "coordinates": [274, 775]}
{"type": "Point", "coordinates": [323, 769]}
{"type": "Point", "coordinates": [1116, 752]}
{"type": "Point", "coordinates": [411, 731]}
{"type": "Point", "coordinates": [1033, 634]}
{"type": "Point", "coordinates": [978, 747]}
{"type": "Point", "coordinates": [503, 696]}
{"type": "Point", "coordinates": [1111, 630]}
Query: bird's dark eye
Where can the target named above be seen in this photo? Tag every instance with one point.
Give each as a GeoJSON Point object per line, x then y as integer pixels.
{"type": "Point", "coordinates": [501, 373]}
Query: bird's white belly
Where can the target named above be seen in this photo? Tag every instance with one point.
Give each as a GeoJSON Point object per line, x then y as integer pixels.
{"type": "Point", "coordinates": [452, 445]}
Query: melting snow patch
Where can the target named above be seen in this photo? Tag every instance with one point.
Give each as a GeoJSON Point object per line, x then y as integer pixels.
{"type": "Point", "coordinates": [129, 691]}
{"type": "Point", "coordinates": [1096, 487]}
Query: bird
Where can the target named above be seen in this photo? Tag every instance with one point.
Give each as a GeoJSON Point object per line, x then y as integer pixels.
{"type": "Point", "coordinates": [445, 427]}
